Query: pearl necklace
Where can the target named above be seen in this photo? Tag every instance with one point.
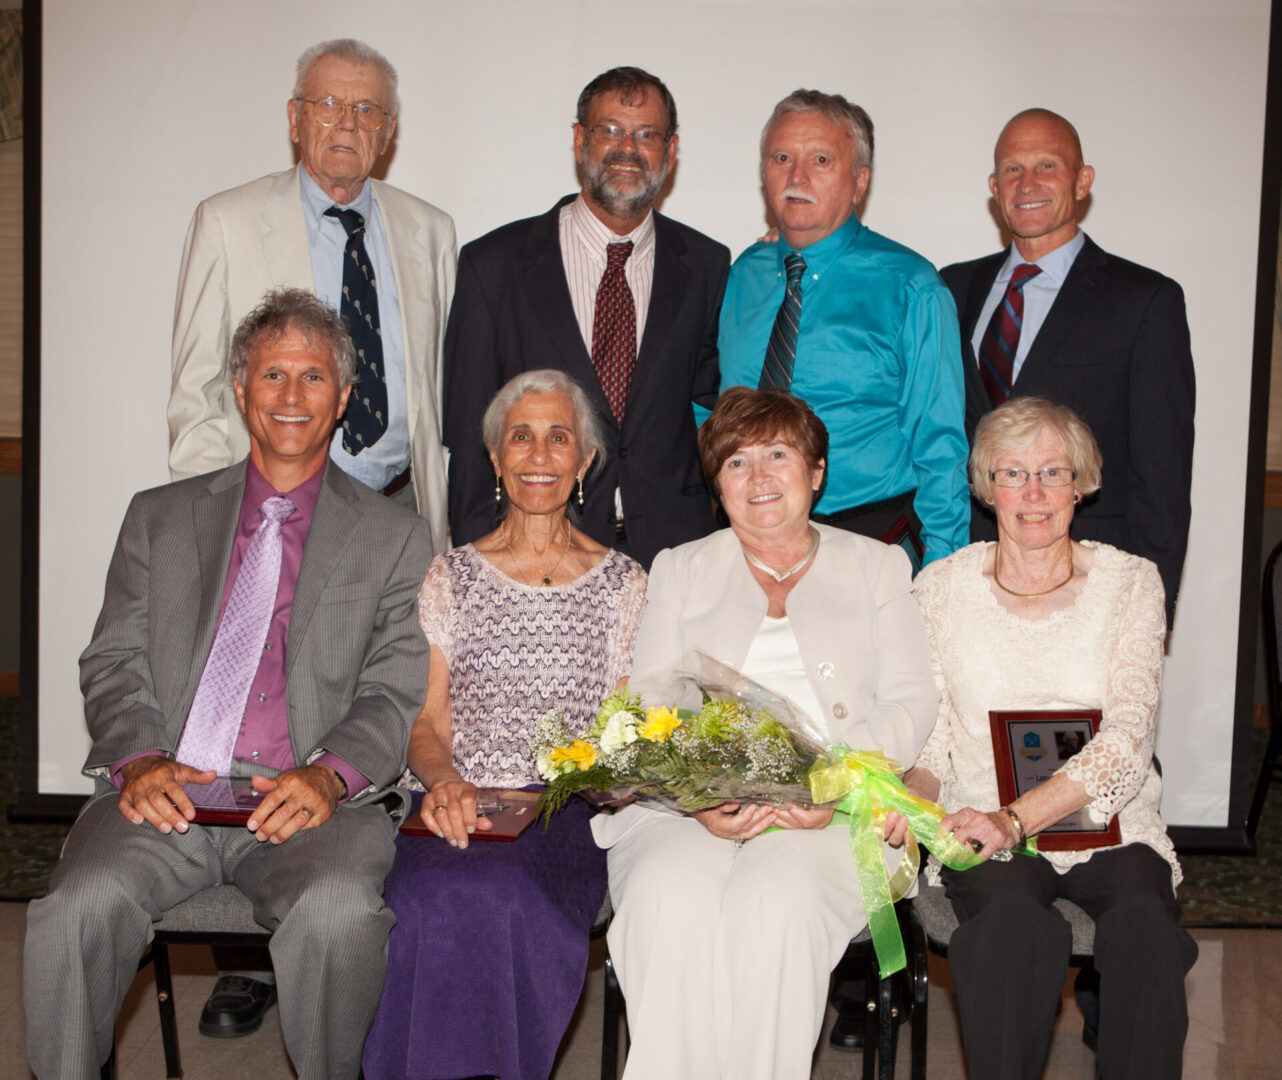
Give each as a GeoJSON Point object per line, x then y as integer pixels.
{"type": "Point", "coordinates": [997, 559]}
{"type": "Point", "coordinates": [547, 574]}
{"type": "Point", "coordinates": [782, 575]}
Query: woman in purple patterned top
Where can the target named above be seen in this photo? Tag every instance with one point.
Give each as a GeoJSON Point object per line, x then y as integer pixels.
{"type": "Point", "coordinates": [487, 959]}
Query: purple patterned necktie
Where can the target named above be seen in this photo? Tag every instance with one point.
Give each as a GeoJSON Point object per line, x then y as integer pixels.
{"type": "Point", "coordinates": [213, 724]}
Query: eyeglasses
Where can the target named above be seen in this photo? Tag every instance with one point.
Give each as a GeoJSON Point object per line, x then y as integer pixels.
{"type": "Point", "coordinates": [645, 138]}
{"type": "Point", "coordinates": [330, 111]}
{"type": "Point", "coordinates": [1054, 476]}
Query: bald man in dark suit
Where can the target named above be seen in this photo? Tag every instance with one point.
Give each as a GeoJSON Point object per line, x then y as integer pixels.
{"type": "Point", "coordinates": [1107, 337]}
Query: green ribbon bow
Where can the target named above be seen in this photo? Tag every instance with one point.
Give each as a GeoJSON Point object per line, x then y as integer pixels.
{"type": "Point", "coordinates": [868, 785]}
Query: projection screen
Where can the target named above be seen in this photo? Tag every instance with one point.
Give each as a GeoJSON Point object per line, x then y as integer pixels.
{"type": "Point", "coordinates": [152, 105]}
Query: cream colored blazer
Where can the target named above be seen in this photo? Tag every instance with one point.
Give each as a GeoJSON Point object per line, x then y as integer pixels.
{"type": "Point", "coordinates": [253, 238]}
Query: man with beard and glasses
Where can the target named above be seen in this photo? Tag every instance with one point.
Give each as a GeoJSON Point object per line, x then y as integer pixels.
{"type": "Point", "coordinates": [623, 299]}
{"type": "Point", "coordinates": [860, 327]}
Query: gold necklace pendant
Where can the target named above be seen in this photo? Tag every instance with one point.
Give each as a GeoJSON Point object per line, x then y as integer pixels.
{"type": "Point", "coordinates": [997, 559]}
{"type": "Point", "coordinates": [545, 574]}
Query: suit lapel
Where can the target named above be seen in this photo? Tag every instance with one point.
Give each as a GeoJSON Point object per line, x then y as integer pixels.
{"type": "Point", "coordinates": [284, 224]}
{"type": "Point", "coordinates": [671, 275]}
{"type": "Point", "coordinates": [335, 527]}
{"type": "Point", "coordinates": [214, 518]}
{"type": "Point", "coordinates": [407, 250]}
{"type": "Point", "coordinates": [981, 283]}
{"type": "Point", "coordinates": [549, 293]}
{"type": "Point", "coordinates": [1076, 297]}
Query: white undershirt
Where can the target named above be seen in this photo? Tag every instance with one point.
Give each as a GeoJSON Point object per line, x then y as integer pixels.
{"type": "Point", "coordinates": [774, 660]}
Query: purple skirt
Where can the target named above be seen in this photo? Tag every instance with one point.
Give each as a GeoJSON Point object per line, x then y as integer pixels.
{"type": "Point", "coordinates": [487, 958]}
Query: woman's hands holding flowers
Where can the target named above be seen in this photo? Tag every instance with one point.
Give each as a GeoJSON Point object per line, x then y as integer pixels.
{"type": "Point", "coordinates": [736, 821]}
{"type": "Point", "coordinates": [790, 816]}
{"type": "Point", "coordinates": [743, 821]}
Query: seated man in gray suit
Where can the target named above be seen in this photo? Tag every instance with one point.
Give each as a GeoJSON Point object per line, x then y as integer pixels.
{"type": "Point", "coordinates": [258, 621]}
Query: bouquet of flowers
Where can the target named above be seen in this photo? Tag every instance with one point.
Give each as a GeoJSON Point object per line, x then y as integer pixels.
{"type": "Point", "coordinates": [744, 744]}
{"type": "Point", "coordinates": [747, 744]}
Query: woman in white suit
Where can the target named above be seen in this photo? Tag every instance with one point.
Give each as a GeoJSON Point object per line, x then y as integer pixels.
{"type": "Point", "coordinates": [723, 938]}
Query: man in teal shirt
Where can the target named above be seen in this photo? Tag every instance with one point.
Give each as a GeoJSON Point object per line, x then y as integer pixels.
{"type": "Point", "coordinates": [867, 335]}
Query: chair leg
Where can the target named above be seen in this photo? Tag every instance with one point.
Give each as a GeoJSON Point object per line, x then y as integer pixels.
{"type": "Point", "coordinates": [921, 993]}
{"type": "Point", "coordinates": [168, 1016]}
{"type": "Point", "coordinates": [872, 996]}
{"type": "Point", "coordinates": [887, 1028]}
{"type": "Point", "coordinates": [610, 1024]}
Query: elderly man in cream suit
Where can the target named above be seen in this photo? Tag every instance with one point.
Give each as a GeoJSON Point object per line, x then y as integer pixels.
{"type": "Point", "coordinates": [283, 230]}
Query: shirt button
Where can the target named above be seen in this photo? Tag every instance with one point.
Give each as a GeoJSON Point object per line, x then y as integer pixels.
{"type": "Point", "coordinates": [262, 697]}
{"type": "Point", "coordinates": [839, 711]}
{"type": "Point", "coordinates": [268, 645]}
{"type": "Point", "coordinates": [825, 670]}
{"type": "Point", "coordinates": [253, 753]}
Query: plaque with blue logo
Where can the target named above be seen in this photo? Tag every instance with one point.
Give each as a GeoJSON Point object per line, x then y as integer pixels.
{"type": "Point", "coordinates": [1029, 747]}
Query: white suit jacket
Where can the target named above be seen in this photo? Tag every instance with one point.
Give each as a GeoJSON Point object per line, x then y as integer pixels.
{"type": "Point", "coordinates": [253, 238]}
{"type": "Point", "coordinates": [861, 635]}
{"type": "Point", "coordinates": [860, 632]}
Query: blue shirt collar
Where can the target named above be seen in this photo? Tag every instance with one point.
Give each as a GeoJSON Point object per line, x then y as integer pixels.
{"type": "Point", "coordinates": [316, 201]}
{"type": "Point", "coordinates": [823, 253]}
{"type": "Point", "coordinates": [1054, 264]}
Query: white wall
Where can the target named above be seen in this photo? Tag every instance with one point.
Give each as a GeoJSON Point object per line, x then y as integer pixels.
{"type": "Point", "coordinates": [153, 104]}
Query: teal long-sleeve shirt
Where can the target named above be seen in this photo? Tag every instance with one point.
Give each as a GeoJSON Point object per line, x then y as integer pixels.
{"type": "Point", "coordinates": [878, 359]}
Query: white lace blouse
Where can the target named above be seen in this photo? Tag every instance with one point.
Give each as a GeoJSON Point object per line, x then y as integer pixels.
{"type": "Point", "coordinates": [1102, 652]}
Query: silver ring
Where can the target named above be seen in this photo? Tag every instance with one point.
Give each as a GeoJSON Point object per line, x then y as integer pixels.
{"type": "Point", "coordinates": [1000, 856]}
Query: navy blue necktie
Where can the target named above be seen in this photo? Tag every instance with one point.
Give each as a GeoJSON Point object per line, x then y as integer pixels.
{"type": "Point", "coordinates": [365, 421]}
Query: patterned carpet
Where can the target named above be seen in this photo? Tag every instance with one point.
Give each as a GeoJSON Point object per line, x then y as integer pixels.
{"type": "Point", "coordinates": [1218, 890]}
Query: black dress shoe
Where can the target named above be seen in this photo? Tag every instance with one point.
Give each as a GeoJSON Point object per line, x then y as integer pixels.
{"type": "Point", "coordinates": [848, 1029]}
{"type": "Point", "coordinates": [236, 1007]}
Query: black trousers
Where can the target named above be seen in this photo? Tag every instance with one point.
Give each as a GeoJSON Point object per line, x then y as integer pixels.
{"type": "Point", "coordinates": [1009, 959]}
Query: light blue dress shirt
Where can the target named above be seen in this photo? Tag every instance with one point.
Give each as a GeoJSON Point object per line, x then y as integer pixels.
{"type": "Point", "coordinates": [1039, 294]}
{"type": "Point", "coordinates": [376, 465]}
{"type": "Point", "coordinates": [878, 359]}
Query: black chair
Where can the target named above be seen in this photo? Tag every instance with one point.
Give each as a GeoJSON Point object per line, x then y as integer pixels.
{"type": "Point", "coordinates": [932, 922]}
{"type": "Point", "coordinates": [1271, 766]}
{"type": "Point", "coordinates": [218, 915]}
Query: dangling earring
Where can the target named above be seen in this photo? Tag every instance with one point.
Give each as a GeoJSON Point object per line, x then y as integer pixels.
{"type": "Point", "coordinates": [498, 490]}
{"type": "Point", "coordinates": [580, 491]}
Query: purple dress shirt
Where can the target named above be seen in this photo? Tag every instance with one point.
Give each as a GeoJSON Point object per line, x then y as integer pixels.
{"type": "Point", "coordinates": [264, 730]}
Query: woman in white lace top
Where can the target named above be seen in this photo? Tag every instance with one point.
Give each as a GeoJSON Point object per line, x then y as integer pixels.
{"type": "Point", "coordinates": [1040, 621]}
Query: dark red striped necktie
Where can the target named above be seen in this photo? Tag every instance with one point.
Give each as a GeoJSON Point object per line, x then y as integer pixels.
{"type": "Point", "coordinates": [1001, 340]}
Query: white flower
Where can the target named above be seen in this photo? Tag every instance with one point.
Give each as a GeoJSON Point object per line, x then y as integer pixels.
{"type": "Point", "coordinates": [620, 730]}
{"type": "Point", "coordinates": [546, 769]}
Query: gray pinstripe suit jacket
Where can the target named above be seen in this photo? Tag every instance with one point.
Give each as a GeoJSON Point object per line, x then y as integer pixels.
{"type": "Point", "coordinates": [356, 664]}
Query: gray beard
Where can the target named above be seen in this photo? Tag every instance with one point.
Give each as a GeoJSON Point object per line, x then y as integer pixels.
{"type": "Point", "coordinates": [614, 202]}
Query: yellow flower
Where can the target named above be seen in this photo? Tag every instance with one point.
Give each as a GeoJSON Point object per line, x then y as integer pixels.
{"type": "Point", "coordinates": [659, 724]}
{"type": "Point", "coordinates": [578, 752]}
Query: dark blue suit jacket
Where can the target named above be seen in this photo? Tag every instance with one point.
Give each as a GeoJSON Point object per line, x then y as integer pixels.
{"type": "Point", "coordinates": [512, 313]}
{"type": "Point", "coordinates": [1115, 349]}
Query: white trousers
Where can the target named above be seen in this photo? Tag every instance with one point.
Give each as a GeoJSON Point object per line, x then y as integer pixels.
{"type": "Point", "coordinates": [724, 953]}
